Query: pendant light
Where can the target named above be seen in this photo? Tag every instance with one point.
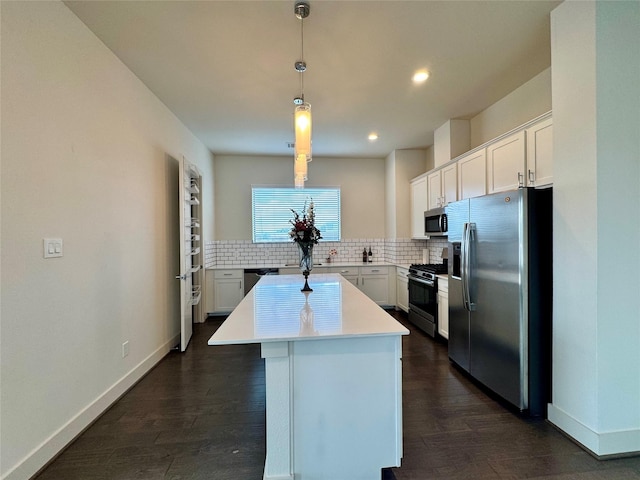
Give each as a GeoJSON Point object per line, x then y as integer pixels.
{"type": "Point", "coordinates": [302, 110]}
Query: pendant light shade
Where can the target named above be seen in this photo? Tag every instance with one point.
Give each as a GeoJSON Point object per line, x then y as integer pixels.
{"type": "Point", "coordinates": [300, 166]}
{"type": "Point", "coordinates": [302, 111]}
{"type": "Point", "coordinates": [302, 127]}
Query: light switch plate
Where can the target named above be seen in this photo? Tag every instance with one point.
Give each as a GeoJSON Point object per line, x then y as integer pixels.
{"type": "Point", "coordinates": [52, 247]}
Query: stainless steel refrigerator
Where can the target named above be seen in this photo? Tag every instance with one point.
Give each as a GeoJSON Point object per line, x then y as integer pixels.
{"type": "Point", "coordinates": [500, 293]}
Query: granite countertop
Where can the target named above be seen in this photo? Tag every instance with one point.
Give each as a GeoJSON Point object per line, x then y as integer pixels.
{"type": "Point", "coordinates": [276, 310]}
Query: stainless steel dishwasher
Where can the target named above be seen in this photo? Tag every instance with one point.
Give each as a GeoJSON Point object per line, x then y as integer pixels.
{"type": "Point", "coordinates": [252, 275]}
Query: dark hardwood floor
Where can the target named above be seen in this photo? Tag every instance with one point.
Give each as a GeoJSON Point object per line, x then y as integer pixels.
{"type": "Point", "coordinates": [201, 415]}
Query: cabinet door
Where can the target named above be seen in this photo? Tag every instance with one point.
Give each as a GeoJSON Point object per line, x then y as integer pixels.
{"type": "Point", "coordinates": [505, 163]}
{"type": "Point", "coordinates": [472, 175]}
{"type": "Point", "coordinates": [402, 292]}
{"type": "Point", "coordinates": [419, 203]}
{"type": "Point", "coordinates": [228, 294]}
{"type": "Point", "coordinates": [450, 183]}
{"type": "Point", "coordinates": [443, 314]}
{"type": "Point", "coordinates": [350, 273]}
{"type": "Point", "coordinates": [434, 190]}
{"type": "Point", "coordinates": [353, 279]}
{"type": "Point", "coordinates": [209, 297]}
{"type": "Point", "coordinates": [376, 287]}
{"type": "Point", "coordinates": [540, 154]}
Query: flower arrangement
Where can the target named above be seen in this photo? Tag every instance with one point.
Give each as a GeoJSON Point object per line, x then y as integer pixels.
{"type": "Point", "coordinates": [332, 253]}
{"type": "Point", "coordinates": [303, 229]}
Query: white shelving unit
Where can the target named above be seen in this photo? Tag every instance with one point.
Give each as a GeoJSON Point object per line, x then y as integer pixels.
{"type": "Point", "coordinates": [192, 252]}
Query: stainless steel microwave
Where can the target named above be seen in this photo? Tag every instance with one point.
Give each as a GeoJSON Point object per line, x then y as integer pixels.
{"type": "Point", "coordinates": [435, 222]}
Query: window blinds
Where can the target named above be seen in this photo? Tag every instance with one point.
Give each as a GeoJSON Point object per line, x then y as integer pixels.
{"type": "Point", "coordinates": [271, 212]}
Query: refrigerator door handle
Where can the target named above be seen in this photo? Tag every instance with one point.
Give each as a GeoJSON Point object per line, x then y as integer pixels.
{"type": "Point", "coordinates": [469, 228]}
{"type": "Point", "coordinates": [463, 266]}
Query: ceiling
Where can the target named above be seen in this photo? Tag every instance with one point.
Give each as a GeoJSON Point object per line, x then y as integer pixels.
{"type": "Point", "coordinates": [226, 68]}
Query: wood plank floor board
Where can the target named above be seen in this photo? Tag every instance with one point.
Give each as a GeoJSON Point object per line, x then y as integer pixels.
{"type": "Point", "coordinates": [201, 415]}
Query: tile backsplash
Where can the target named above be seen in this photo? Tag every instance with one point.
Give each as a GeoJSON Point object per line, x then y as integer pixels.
{"type": "Point", "coordinates": [398, 250]}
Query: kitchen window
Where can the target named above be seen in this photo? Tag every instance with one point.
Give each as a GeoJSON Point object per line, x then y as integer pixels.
{"type": "Point", "coordinates": [271, 212]}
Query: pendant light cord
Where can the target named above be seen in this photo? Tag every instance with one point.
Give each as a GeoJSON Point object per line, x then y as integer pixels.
{"type": "Point", "coordinates": [302, 58]}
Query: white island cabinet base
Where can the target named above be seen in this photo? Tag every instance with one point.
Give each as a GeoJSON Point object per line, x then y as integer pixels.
{"type": "Point", "coordinates": [333, 377]}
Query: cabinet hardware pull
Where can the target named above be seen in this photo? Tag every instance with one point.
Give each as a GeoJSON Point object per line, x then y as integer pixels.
{"type": "Point", "coordinates": [520, 179]}
{"type": "Point", "coordinates": [226, 274]}
{"type": "Point", "coordinates": [532, 176]}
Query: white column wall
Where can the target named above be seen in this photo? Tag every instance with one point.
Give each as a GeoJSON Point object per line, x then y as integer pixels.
{"type": "Point", "coordinates": [618, 150]}
{"type": "Point", "coordinates": [596, 332]}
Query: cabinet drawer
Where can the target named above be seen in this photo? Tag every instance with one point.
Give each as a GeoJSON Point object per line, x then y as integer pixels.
{"type": "Point", "coordinates": [344, 270]}
{"type": "Point", "coordinates": [374, 270]}
{"type": "Point", "coordinates": [402, 272]}
{"type": "Point", "coordinates": [229, 273]}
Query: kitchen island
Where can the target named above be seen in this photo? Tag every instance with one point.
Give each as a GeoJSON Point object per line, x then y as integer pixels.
{"type": "Point", "coordinates": [333, 377]}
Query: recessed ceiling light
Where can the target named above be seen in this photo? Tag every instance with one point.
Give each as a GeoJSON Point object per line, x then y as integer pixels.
{"type": "Point", "coordinates": [420, 76]}
{"type": "Point", "coordinates": [373, 137]}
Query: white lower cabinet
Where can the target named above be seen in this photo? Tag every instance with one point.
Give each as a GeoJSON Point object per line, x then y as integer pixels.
{"type": "Point", "coordinates": [296, 271]}
{"type": "Point", "coordinates": [373, 281]}
{"type": "Point", "coordinates": [228, 289]}
{"type": "Point", "coordinates": [402, 289]}
{"type": "Point", "coordinates": [443, 307]}
{"type": "Point", "coordinates": [209, 302]}
{"type": "Point", "coordinates": [350, 273]}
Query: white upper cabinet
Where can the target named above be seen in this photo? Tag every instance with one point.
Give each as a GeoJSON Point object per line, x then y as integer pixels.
{"type": "Point", "coordinates": [540, 153]}
{"type": "Point", "coordinates": [450, 184]}
{"type": "Point", "coordinates": [419, 203]}
{"type": "Point", "coordinates": [472, 175]}
{"type": "Point", "coordinates": [434, 189]}
{"type": "Point", "coordinates": [522, 157]}
{"type": "Point", "coordinates": [443, 186]}
{"type": "Point", "coordinates": [506, 163]}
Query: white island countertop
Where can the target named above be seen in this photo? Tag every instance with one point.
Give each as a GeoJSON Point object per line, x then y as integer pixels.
{"type": "Point", "coordinates": [276, 310]}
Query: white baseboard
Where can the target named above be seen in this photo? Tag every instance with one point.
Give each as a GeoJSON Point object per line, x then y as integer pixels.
{"type": "Point", "coordinates": [601, 444]}
{"type": "Point", "coordinates": [48, 449]}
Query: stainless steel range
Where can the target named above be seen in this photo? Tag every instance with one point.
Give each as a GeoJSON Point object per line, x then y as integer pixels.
{"type": "Point", "coordinates": [423, 294]}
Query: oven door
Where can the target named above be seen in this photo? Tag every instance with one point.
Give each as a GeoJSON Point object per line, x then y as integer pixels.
{"type": "Point", "coordinates": [423, 303]}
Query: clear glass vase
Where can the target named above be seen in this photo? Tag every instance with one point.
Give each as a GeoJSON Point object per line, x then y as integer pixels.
{"type": "Point", "coordinates": [306, 262]}
{"type": "Point", "coordinates": [306, 256]}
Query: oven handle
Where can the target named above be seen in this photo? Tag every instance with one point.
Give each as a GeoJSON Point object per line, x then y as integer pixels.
{"type": "Point", "coordinates": [431, 283]}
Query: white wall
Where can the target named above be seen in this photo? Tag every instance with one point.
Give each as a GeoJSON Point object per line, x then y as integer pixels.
{"type": "Point", "coordinates": [362, 182]}
{"type": "Point", "coordinates": [88, 155]}
{"type": "Point", "coordinates": [528, 101]}
{"type": "Point", "coordinates": [596, 121]}
{"type": "Point", "coordinates": [400, 167]}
